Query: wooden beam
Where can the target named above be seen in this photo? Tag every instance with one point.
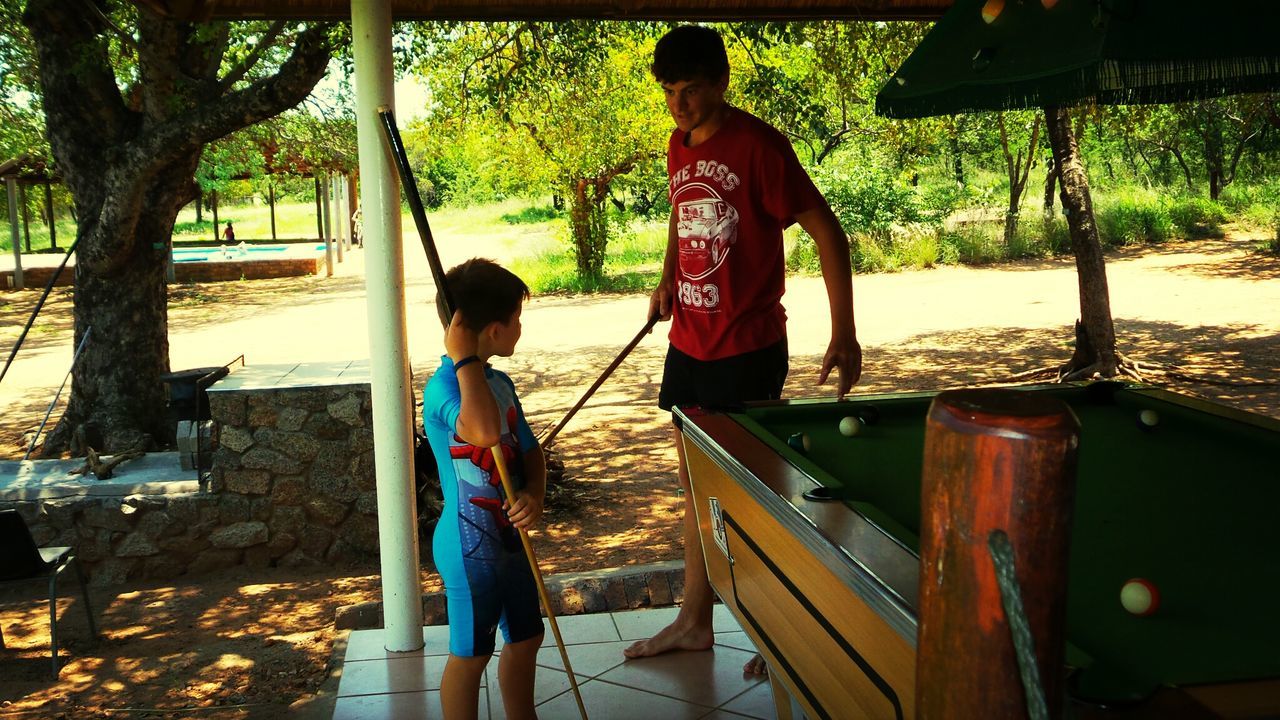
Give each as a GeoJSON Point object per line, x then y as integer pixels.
{"type": "Point", "coordinates": [483, 10]}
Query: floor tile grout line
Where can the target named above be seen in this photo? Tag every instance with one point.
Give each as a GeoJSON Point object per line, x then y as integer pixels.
{"type": "Point", "coordinates": [721, 706]}
{"type": "Point", "coordinates": [651, 692]}
{"type": "Point", "coordinates": [388, 692]}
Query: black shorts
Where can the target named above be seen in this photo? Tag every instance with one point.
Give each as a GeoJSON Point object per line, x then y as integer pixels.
{"type": "Point", "coordinates": [756, 375]}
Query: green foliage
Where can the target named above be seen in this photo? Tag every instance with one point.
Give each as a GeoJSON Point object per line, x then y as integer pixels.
{"type": "Point", "coordinates": [1196, 217]}
{"type": "Point", "coordinates": [1257, 207]}
{"type": "Point", "coordinates": [533, 214]}
{"type": "Point", "coordinates": [972, 244]}
{"type": "Point", "coordinates": [578, 94]}
{"type": "Point", "coordinates": [1132, 218]}
{"type": "Point", "coordinates": [633, 263]}
{"type": "Point", "coordinates": [866, 198]}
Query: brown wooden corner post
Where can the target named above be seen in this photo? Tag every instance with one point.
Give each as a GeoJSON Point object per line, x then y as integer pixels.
{"type": "Point", "coordinates": [1005, 460]}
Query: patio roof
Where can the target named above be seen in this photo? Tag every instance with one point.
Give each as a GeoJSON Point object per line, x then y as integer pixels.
{"type": "Point", "coordinates": [28, 170]}
{"type": "Point", "coordinates": [561, 9]}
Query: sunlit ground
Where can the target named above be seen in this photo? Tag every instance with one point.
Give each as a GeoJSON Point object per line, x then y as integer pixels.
{"type": "Point", "coordinates": [247, 644]}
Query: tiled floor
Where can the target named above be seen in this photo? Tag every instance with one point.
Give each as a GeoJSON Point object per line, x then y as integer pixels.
{"type": "Point", "coordinates": [710, 684]}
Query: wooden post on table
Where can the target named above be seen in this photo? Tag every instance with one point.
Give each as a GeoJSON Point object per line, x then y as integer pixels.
{"type": "Point", "coordinates": [994, 460]}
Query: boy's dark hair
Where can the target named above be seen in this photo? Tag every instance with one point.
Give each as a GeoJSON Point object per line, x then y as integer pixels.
{"type": "Point", "coordinates": [484, 291]}
{"type": "Point", "coordinates": [689, 52]}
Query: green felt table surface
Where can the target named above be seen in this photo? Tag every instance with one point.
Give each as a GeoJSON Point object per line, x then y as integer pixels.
{"type": "Point", "coordinates": [1193, 505]}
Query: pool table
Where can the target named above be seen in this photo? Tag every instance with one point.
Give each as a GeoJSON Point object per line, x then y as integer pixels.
{"type": "Point", "coordinates": [815, 550]}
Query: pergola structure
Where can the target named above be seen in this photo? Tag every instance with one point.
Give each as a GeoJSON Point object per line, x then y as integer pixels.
{"type": "Point", "coordinates": [17, 174]}
{"type": "Point", "coordinates": [391, 382]}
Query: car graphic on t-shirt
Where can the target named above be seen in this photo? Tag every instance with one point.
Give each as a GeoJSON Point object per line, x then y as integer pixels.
{"type": "Point", "coordinates": [706, 227]}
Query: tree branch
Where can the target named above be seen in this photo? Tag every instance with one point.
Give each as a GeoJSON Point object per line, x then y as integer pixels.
{"type": "Point", "coordinates": [238, 72]}
{"type": "Point", "coordinates": [74, 65]}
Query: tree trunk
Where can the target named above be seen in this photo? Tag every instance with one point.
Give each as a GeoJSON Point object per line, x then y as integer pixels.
{"type": "Point", "coordinates": [589, 226]}
{"type": "Point", "coordinates": [1214, 150]}
{"type": "Point", "coordinates": [1018, 172]}
{"type": "Point", "coordinates": [116, 400]}
{"type": "Point", "coordinates": [957, 158]}
{"type": "Point", "coordinates": [271, 200]}
{"type": "Point", "coordinates": [213, 206]}
{"type": "Point", "coordinates": [1011, 215]}
{"type": "Point", "coordinates": [1095, 353]}
{"type": "Point", "coordinates": [129, 164]}
{"type": "Point", "coordinates": [1050, 183]}
{"type": "Point", "coordinates": [200, 207]}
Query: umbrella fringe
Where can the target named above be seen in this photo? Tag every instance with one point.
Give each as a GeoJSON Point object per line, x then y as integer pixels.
{"type": "Point", "coordinates": [1110, 82]}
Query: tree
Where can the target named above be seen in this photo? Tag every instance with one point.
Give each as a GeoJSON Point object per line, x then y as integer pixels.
{"type": "Point", "coordinates": [1224, 128]}
{"type": "Point", "coordinates": [1018, 170]}
{"type": "Point", "coordinates": [1095, 353]}
{"type": "Point", "coordinates": [130, 100]}
{"type": "Point", "coordinates": [579, 91]}
{"type": "Point", "coordinates": [816, 81]}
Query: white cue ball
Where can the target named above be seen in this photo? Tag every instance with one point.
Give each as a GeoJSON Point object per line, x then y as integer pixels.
{"type": "Point", "coordinates": [1139, 597]}
{"type": "Point", "coordinates": [850, 426]}
{"type": "Point", "coordinates": [1149, 418]}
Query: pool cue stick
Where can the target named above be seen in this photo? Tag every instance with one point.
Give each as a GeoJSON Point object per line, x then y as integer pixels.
{"type": "Point", "coordinates": [392, 135]}
{"type": "Point", "coordinates": [505, 475]}
{"type": "Point", "coordinates": [648, 326]}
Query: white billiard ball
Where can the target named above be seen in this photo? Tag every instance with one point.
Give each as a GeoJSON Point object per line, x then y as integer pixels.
{"type": "Point", "coordinates": [1140, 597]}
{"type": "Point", "coordinates": [850, 426]}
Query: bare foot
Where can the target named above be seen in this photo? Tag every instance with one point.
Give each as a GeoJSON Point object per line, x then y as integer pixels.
{"type": "Point", "coordinates": [672, 637]}
{"type": "Point", "coordinates": [756, 666]}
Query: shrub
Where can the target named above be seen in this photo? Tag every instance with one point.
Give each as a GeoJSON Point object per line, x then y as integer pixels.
{"type": "Point", "coordinates": [972, 244]}
{"type": "Point", "coordinates": [918, 247]}
{"type": "Point", "coordinates": [802, 254]}
{"type": "Point", "coordinates": [1196, 217]}
{"type": "Point", "coordinates": [1133, 218]}
{"type": "Point", "coordinates": [870, 253]}
{"type": "Point", "coordinates": [1037, 239]}
{"type": "Point", "coordinates": [867, 199]}
{"type": "Point", "coordinates": [532, 214]}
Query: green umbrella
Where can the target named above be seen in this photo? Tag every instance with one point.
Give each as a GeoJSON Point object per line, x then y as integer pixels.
{"type": "Point", "coordinates": [1006, 54]}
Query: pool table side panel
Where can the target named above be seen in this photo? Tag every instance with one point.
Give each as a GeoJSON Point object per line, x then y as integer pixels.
{"type": "Point", "coordinates": [837, 656]}
{"type": "Point", "coordinates": [882, 571]}
{"type": "Point", "coordinates": [800, 615]}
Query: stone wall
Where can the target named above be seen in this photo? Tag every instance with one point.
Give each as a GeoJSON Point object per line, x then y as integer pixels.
{"type": "Point", "coordinates": [292, 484]}
{"type": "Point", "coordinates": [300, 460]}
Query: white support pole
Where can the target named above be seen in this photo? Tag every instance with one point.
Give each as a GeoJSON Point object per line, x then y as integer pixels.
{"type": "Point", "coordinates": [331, 215]}
{"type": "Point", "coordinates": [326, 226]}
{"type": "Point", "coordinates": [392, 388]}
{"type": "Point", "coordinates": [12, 184]}
{"type": "Point", "coordinates": [345, 184]}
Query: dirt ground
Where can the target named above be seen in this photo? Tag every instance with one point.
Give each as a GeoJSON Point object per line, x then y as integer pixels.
{"type": "Point", "coordinates": [245, 644]}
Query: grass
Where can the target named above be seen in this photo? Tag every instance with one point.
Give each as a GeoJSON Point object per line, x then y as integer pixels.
{"type": "Point", "coordinates": [633, 262]}
{"type": "Point", "coordinates": [531, 237]}
{"type": "Point", "coordinates": [294, 220]}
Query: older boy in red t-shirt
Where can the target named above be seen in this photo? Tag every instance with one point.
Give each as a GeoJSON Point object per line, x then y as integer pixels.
{"type": "Point", "coordinates": [735, 185]}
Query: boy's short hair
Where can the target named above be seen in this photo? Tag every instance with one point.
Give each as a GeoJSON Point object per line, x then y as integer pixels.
{"type": "Point", "coordinates": [484, 291]}
{"type": "Point", "coordinates": [689, 52]}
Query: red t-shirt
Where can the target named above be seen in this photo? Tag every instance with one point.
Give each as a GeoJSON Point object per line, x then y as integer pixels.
{"type": "Point", "coordinates": [732, 196]}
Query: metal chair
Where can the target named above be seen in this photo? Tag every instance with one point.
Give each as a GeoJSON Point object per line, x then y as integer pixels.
{"type": "Point", "coordinates": [22, 562]}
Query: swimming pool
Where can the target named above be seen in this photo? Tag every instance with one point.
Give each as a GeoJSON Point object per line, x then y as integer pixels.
{"type": "Point", "coordinates": [243, 252]}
